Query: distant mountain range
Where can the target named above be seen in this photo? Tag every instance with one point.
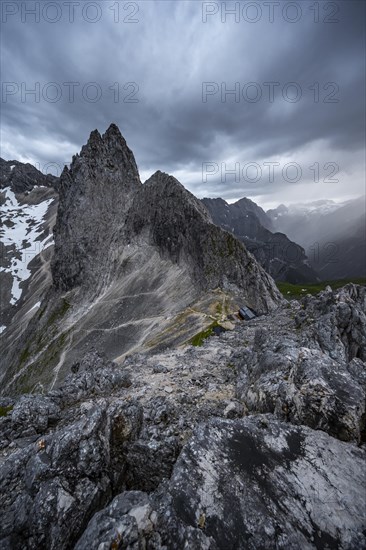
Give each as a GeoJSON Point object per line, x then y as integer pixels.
{"type": "Point", "coordinates": [332, 234]}
{"type": "Point", "coordinates": [283, 259]}
{"type": "Point", "coordinates": [300, 243]}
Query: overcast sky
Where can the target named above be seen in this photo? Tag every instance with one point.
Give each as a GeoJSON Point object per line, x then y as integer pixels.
{"type": "Point", "coordinates": [293, 130]}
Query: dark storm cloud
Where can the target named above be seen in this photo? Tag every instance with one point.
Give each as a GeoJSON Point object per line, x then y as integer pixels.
{"type": "Point", "coordinates": [167, 55]}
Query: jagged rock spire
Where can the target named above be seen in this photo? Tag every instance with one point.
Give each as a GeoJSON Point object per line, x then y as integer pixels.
{"type": "Point", "coordinates": [95, 194]}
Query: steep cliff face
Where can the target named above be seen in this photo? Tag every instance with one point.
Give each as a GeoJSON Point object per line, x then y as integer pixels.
{"type": "Point", "coordinates": [104, 210]}
{"type": "Point", "coordinates": [129, 260]}
{"type": "Point", "coordinates": [95, 195]}
{"type": "Point", "coordinates": [237, 212]}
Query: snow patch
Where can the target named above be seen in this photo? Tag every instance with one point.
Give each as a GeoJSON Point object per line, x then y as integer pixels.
{"type": "Point", "coordinates": [25, 227]}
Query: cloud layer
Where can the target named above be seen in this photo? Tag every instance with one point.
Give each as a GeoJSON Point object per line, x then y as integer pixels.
{"type": "Point", "coordinates": [234, 84]}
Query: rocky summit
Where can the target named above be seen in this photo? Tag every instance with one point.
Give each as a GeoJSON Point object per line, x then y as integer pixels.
{"type": "Point", "coordinates": [95, 194]}
{"type": "Point", "coordinates": [139, 411]}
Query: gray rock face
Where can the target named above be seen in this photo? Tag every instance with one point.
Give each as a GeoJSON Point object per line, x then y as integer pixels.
{"type": "Point", "coordinates": [238, 213]}
{"type": "Point", "coordinates": [311, 370]}
{"type": "Point", "coordinates": [338, 321]}
{"type": "Point", "coordinates": [128, 522]}
{"type": "Point", "coordinates": [95, 194]}
{"type": "Point", "coordinates": [245, 484]}
{"type": "Point", "coordinates": [283, 259]}
{"type": "Point", "coordinates": [259, 483]}
{"type": "Point", "coordinates": [52, 484]}
{"type": "Point", "coordinates": [63, 478]}
{"type": "Point", "coordinates": [103, 208]}
{"type": "Point", "coordinates": [32, 416]}
{"type": "Point", "coordinates": [178, 224]}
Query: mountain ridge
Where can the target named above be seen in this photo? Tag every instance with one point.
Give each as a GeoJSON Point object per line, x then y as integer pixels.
{"type": "Point", "coordinates": [128, 258]}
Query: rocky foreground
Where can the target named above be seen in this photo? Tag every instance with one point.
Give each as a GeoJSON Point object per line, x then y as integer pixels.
{"type": "Point", "coordinates": [254, 440]}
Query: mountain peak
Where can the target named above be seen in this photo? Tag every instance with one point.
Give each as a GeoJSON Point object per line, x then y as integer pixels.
{"type": "Point", "coordinates": [104, 157]}
{"type": "Point", "coordinates": [113, 130]}
{"type": "Point", "coordinates": [111, 141]}
{"type": "Point", "coordinates": [95, 140]}
{"type": "Point", "coordinates": [158, 176]}
{"type": "Point", "coordinates": [95, 136]}
{"type": "Point", "coordinates": [179, 226]}
{"type": "Point", "coordinates": [95, 194]}
{"type": "Point", "coordinates": [114, 139]}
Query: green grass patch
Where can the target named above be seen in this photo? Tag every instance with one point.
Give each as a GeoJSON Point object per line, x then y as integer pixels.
{"type": "Point", "coordinates": [199, 338]}
{"type": "Point", "coordinates": [4, 410]}
{"type": "Point", "coordinates": [290, 291]}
